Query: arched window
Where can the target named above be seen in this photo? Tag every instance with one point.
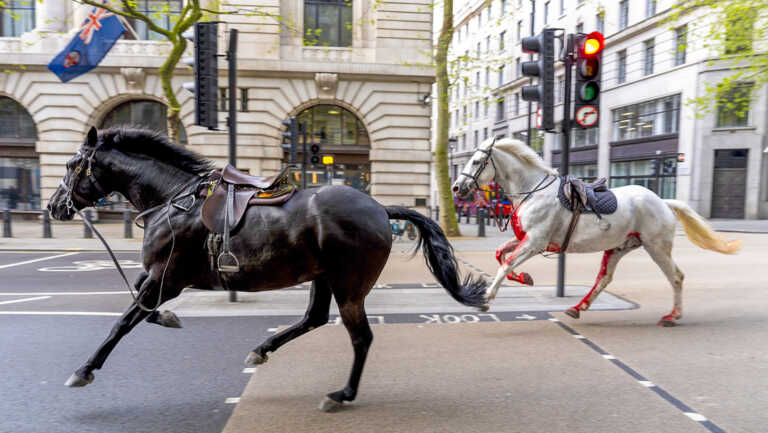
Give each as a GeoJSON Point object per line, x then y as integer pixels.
{"type": "Point", "coordinates": [143, 114]}
{"type": "Point", "coordinates": [343, 136]}
{"type": "Point", "coordinates": [19, 163]}
{"type": "Point", "coordinates": [16, 17]}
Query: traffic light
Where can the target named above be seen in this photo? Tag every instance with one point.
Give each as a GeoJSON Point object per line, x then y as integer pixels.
{"type": "Point", "coordinates": [314, 154]}
{"type": "Point", "coordinates": [544, 68]}
{"type": "Point", "coordinates": [291, 135]}
{"type": "Point", "coordinates": [205, 62]}
{"type": "Point", "coordinates": [589, 56]}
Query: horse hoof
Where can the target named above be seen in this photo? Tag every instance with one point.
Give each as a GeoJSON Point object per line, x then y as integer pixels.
{"type": "Point", "coordinates": [667, 323]}
{"type": "Point", "coordinates": [255, 359]}
{"type": "Point", "coordinates": [573, 312]}
{"type": "Point", "coordinates": [484, 308]}
{"type": "Point", "coordinates": [329, 405]}
{"type": "Point", "coordinates": [76, 381]}
{"type": "Point", "coordinates": [526, 279]}
{"type": "Point", "coordinates": [170, 320]}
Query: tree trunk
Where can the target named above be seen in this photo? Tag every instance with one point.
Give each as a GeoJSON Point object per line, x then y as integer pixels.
{"type": "Point", "coordinates": [166, 76]}
{"type": "Point", "coordinates": [445, 196]}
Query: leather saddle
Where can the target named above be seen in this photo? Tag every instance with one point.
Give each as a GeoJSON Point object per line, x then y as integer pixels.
{"type": "Point", "coordinates": [228, 196]}
{"type": "Point", "coordinates": [576, 195]}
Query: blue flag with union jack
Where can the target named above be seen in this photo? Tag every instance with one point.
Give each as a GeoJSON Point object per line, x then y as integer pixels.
{"type": "Point", "coordinates": [96, 37]}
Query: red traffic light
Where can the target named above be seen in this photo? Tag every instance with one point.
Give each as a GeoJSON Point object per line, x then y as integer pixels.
{"type": "Point", "coordinates": [314, 148]}
{"type": "Point", "coordinates": [593, 44]}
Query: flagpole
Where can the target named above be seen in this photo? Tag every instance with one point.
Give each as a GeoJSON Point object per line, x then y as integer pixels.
{"type": "Point", "coordinates": [128, 26]}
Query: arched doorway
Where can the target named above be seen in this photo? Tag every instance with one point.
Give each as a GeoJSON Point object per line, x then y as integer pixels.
{"type": "Point", "coordinates": [141, 113]}
{"type": "Point", "coordinates": [19, 163]}
{"type": "Point", "coordinates": [340, 134]}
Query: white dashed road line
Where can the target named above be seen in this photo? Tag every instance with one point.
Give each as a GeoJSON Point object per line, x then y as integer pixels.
{"type": "Point", "coordinates": [14, 301]}
{"type": "Point", "coordinates": [10, 265]}
{"type": "Point", "coordinates": [58, 313]}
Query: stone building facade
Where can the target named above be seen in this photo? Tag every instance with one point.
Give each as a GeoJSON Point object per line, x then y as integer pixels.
{"type": "Point", "coordinates": [356, 81]}
{"type": "Point", "coordinates": [648, 134]}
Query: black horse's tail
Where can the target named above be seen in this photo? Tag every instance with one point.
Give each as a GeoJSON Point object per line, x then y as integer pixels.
{"type": "Point", "coordinates": [438, 254]}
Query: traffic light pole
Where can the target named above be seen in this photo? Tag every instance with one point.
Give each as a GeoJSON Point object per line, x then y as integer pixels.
{"type": "Point", "coordinates": [530, 81]}
{"type": "Point", "coordinates": [304, 155]}
{"type": "Point", "coordinates": [566, 147]}
{"type": "Point", "coordinates": [232, 118]}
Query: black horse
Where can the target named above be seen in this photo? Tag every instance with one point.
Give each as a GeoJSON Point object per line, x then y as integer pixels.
{"type": "Point", "coordinates": [335, 236]}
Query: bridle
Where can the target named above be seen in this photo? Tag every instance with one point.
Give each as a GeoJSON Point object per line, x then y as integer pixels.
{"type": "Point", "coordinates": [481, 167]}
{"type": "Point", "coordinates": [75, 178]}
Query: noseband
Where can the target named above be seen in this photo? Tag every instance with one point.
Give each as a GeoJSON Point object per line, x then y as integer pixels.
{"type": "Point", "coordinates": [482, 166]}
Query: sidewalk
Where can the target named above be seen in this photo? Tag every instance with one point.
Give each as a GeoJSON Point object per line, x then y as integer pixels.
{"type": "Point", "coordinates": [67, 236]}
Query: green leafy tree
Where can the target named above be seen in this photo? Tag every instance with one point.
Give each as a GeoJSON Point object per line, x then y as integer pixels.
{"type": "Point", "coordinates": [735, 32]}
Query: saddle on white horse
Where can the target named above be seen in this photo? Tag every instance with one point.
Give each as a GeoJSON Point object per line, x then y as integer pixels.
{"type": "Point", "coordinates": [576, 195]}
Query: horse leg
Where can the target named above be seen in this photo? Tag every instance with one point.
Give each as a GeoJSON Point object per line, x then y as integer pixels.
{"type": "Point", "coordinates": [147, 296]}
{"type": "Point", "coordinates": [315, 317]}
{"type": "Point", "coordinates": [662, 255]}
{"type": "Point", "coordinates": [605, 276]}
{"type": "Point", "coordinates": [524, 250]}
{"type": "Point", "coordinates": [353, 315]}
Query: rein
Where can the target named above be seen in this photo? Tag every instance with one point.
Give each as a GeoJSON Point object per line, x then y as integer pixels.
{"type": "Point", "coordinates": [70, 190]}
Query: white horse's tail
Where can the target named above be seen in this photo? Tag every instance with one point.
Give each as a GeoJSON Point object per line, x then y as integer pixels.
{"type": "Point", "coordinates": [699, 232]}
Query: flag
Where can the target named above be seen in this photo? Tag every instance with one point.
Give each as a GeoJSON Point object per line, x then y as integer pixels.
{"type": "Point", "coordinates": [96, 37]}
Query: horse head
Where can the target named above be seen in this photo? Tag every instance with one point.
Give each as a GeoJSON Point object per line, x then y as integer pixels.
{"type": "Point", "coordinates": [80, 187]}
{"type": "Point", "coordinates": [475, 171]}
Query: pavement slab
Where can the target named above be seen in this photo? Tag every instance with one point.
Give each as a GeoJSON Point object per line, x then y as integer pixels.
{"type": "Point", "coordinates": [501, 377]}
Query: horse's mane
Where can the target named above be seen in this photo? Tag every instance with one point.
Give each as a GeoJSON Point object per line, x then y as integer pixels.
{"type": "Point", "coordinates": [155, 145]}
{"type": "Point", "coordinates": [524, 153]}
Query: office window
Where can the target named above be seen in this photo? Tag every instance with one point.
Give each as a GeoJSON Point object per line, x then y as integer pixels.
{"type": "Point", "coordinates": [580, 28]}
{"type": "Point", "coordinates": [502, 36]}
{"type": "Point", "coordinates": [480, 20]}
{"type": "Point", "coordinates": [518, 70]}
{"type": "Point", "coordinates": [503, 7]}
{"type": "Point", "coordinates": [487, 44]}
{"type": "Point", "coordinates": [656, 117]}
{"type": "Point", "coordinates": [489, 12]}
{"type": "Point", "coordinates": [485, 108]}
{"type": "Point", "coordinates": [648, 61]}
{"type": "Point", "coordinates": [478, 50]}
{"type": "Point", "coordinates": [600, 22]}
{"type": "Point", "coordinates": [477, 109]}
{"type": "Point", "coordinates": [562, 7]}
{"type": "Point", "coordinates": [464, 114]}
{"type": "Point", "coordinates": [657, 174]}
{"type": "Point", "coordinates": [516, 106]}
{"type": "Point", "coordinates": [17, 17]}
{"type": "Point", "coordinates": [621, 67]}
{"type": "Point", "coordinates": [623, 14]}
{"type": "Point", "coordinates": [650, 8]}
{"type": "Point", "coordinates": [500, 110]}
{"type": "Point", "coordinates": [244, 100]}
{"type": "Point", "coordinates": [487, 76]}
{"type": "Point", "coordinates": [477, 80]}
{"type": "Point", "coordinates": [326, 22]}
{"type": "Point", "coordinates": [485, 134]}
{"type": "Point", "coordinates": [519, 30]}
{"type": "Point", "coordinates": [739, 33]}
{"type": "Point", "coordinates": [733, 105]}
{"type": "Point", "coordinates": [501, 75]}
{"type": "Point", "coordinates": [546, 13]}
{"type": "Point", "coordinates": [681, 40]}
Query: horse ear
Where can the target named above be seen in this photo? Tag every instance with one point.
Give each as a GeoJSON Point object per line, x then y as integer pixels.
{"type": "Point", "coordinates": [93, 137]}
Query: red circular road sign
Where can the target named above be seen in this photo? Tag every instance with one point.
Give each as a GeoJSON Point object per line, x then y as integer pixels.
{"type": "Point", "coordinates": [587, 116]}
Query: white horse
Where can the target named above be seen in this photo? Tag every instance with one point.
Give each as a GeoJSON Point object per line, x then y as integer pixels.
{"type": "Point", "coordinates": [540, 222]}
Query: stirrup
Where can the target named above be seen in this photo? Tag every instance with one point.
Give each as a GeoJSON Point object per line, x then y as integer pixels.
{"type": "Point", "coordinates": [228, 268]}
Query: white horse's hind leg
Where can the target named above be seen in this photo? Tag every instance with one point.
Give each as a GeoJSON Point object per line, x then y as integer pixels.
{"type": "Point", "coordinates": [605, 276]}
{"type": "Point", "coordinates": [662, 255]}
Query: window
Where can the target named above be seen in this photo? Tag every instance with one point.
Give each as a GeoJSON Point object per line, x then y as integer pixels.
{"type": "Point", "coordinates": [161, 12]}
{"type": "Point", "coordinates": [656, 174]}
{"type": "Point", "coordinates": [739, 32]}
{"type": "Point", "coordinates": [17, 17]}
{"type": "Point", "coordinates": [15, 122]}
{"type": "Point", "coordinates": [488, 13]}
{"type": "Point", "coordinates": [328, 22]}
{"type": "Point", "coordinates": [149, 114]}
{"type": "Point", "coordinates": [600, 22]}
{"type": "Point", "coordinates": [332, 125]}
{"type": "Point", "coordinates": [733, 105]}
{"type": "Point", "coordinates": [480, 20]}
{"type": "Point", "coordinates": [516, 106]}
{"type": "Point", "coordinates": [562, 7]}
{"type": "Point", "coordinates": [656, 117]}
{"type": "Point", "coordinates": [485, 108]}
{"type": "Point", "coordinates": [579, 138]}
{"type": "Point", "coordinates": [223, 99]}
{"type": "Point", "coordinates": [463, 141]}
{"type": "Point", "coordinates": [518, 70]}
{"type": "Point", "coordinates": [623, 14]}
{"type": "Point", "coordinates": [477, 138]}
{"type": "Point", "coordinates": [500, 110]}
{"type": "Point", "coordinates": [485, 134]}
{"type": "Point", "coordinates": [464, 114]}
{"type": "Point", "coordinates": [501, 75]}
{"type": "Point", "coordinates": [477, 109]}
{"type": "Point", "coordinates": [585, 172]}
{"type": "Point", "coordinates": [502, 36]}
{"type": "Point", "coordinates": [519, 30]}
{"type": "Point", "coordinates": [487, 76]}
{"type": "Point", "coordinates": [537, 140]}
{"type": "Point", "coordinates": [648, 61]}
{"type": "Point", "coordinates": [546, 13]}
{"type": "Point", "coordinates": [503, 7]}
{"type": "Point", "coordinates": [681, 40]}
{"type": "Point", "coordinates": [478, 50]}
{"type": "Point", "coordinates": [487, 44]}
{"type": "Point", "coordinates": [580, 28]}
{"type": "Point", "coordinates": [621, 69]}
{"type": "Point", "coordinates": [650, 8]}
{"type": "Point", "coordinates": [244, 100]}
{"type": "Point", "coordinates": [477, 80]}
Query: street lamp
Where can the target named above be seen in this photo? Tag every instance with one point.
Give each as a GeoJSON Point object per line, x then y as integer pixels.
{"type": "Point", "coordinates": [452, 141]}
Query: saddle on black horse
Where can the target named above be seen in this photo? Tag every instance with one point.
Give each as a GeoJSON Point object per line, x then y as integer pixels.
{"type": "Point", "coordinates": [228, 196]}
{"type": "Point", "coordinates": [580, 197]}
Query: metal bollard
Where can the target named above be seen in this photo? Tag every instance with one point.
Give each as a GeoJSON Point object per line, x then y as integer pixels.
{"type": "Point", "coordinates": [128, 226]}
{"type": "Point", "coordinates": [47, 224]}
{"type": "Point", "coordinates": [87, 233]}
{"type": "Point", "coordinates": [468, 213]}
{"type": "Point", "coordinates": [481, 222]}
{"type": "Point", "coordinates": [7, 224]}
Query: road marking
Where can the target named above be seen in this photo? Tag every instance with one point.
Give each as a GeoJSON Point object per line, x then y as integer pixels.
{"type": "Point", "coordinates": [232, 400]}
{"type": "Point", "coordinates": [249, 370]}
{"type": "Point", "coordinates": [10, 265]}
{"type": "Point", "coordinates": [669, 398]}
{"type": "Point", "coordinates": [58, 313]}
{"type": "Point", "coordinates": [36, 298]}
{"type": "Point", "coordinates": [116, 292]}
{"type": "Point", "coordinates": [554, 320]}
